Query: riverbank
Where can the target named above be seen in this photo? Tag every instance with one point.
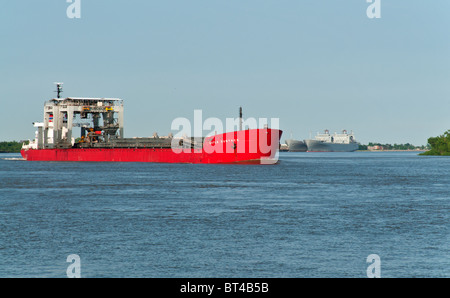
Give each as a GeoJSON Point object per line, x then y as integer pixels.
{"type": "Point", "coordinates": [439, 145]}
{"type": "Point", "coordinates": [10, 147]}
{"type": "Point", "coordinates": [394, 150]}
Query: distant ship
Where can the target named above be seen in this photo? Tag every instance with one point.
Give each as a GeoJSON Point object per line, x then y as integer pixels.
{"type": "Point", "coordinates": [296, 146]}
{"type": "Point", "coordinates": [343, 142]}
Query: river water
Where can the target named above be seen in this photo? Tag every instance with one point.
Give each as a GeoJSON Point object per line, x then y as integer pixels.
{"type": "Point", "coordinates": [311, 215]}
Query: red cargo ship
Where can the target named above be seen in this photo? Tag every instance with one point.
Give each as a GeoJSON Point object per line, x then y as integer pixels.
{"type": "Point", "coordinates": [101, 139]}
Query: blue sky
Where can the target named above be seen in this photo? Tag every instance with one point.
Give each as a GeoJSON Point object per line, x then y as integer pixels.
{"type": "Point", "coordinates": [314, 64]}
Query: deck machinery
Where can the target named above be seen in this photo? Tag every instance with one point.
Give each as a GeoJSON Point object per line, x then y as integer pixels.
{"type": "Point", "coordinates": [100, 120]}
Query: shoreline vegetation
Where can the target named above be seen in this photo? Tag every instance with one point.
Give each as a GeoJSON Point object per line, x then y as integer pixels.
{"type": "Point", "coordinates": [418, 150]}
{"type": "Point", "coordinates": [390, 147]}
{"type": "Point", "coordinates": [11, 147]}
{"type": "Point", "coordinates": [439, 145]}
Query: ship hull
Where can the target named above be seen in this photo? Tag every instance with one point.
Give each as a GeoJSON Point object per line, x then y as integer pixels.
{"type": "Point", "coordinates": [296, 146]}
{"type": "Point", "coordinates": [319, 146]}
{"type": "Point", "coordinates": [250, 146]}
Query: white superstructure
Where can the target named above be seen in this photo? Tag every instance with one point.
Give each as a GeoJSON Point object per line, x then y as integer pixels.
{"type": "Point", "coordinates": [326, 142]}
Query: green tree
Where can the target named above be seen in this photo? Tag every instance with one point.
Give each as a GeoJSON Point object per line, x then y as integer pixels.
{"type": "Point", "coordinates": [439, 145]}
{"type": "Point", "coordinates": [10, 147]}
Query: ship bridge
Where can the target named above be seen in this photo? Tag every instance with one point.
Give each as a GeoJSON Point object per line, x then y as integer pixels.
{"type": "Point", "coordinates": [100, 120]}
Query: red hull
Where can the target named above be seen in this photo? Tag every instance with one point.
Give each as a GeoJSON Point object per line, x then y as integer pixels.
{"type": "Point", "coordinates": [249, 146]}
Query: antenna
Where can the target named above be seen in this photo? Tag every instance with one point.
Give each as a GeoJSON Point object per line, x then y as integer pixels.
{"type": "Point", "coordinates": [58, 89]}
{"type": "Point", "coordinates": [240, 118]}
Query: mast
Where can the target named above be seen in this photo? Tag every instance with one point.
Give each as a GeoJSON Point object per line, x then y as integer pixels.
{"type": "Point", "coordinates": [240, 118]}
{"type": "Point", "coordinates": [58, 89]}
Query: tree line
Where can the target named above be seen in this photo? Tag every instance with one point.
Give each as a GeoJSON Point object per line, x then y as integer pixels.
{"type": "Point", "coordinates": [440, 145]}
{"type": "Point", "coordinates": [10, 147]}
{"type": "Point", "coordinates": [406, 146]}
